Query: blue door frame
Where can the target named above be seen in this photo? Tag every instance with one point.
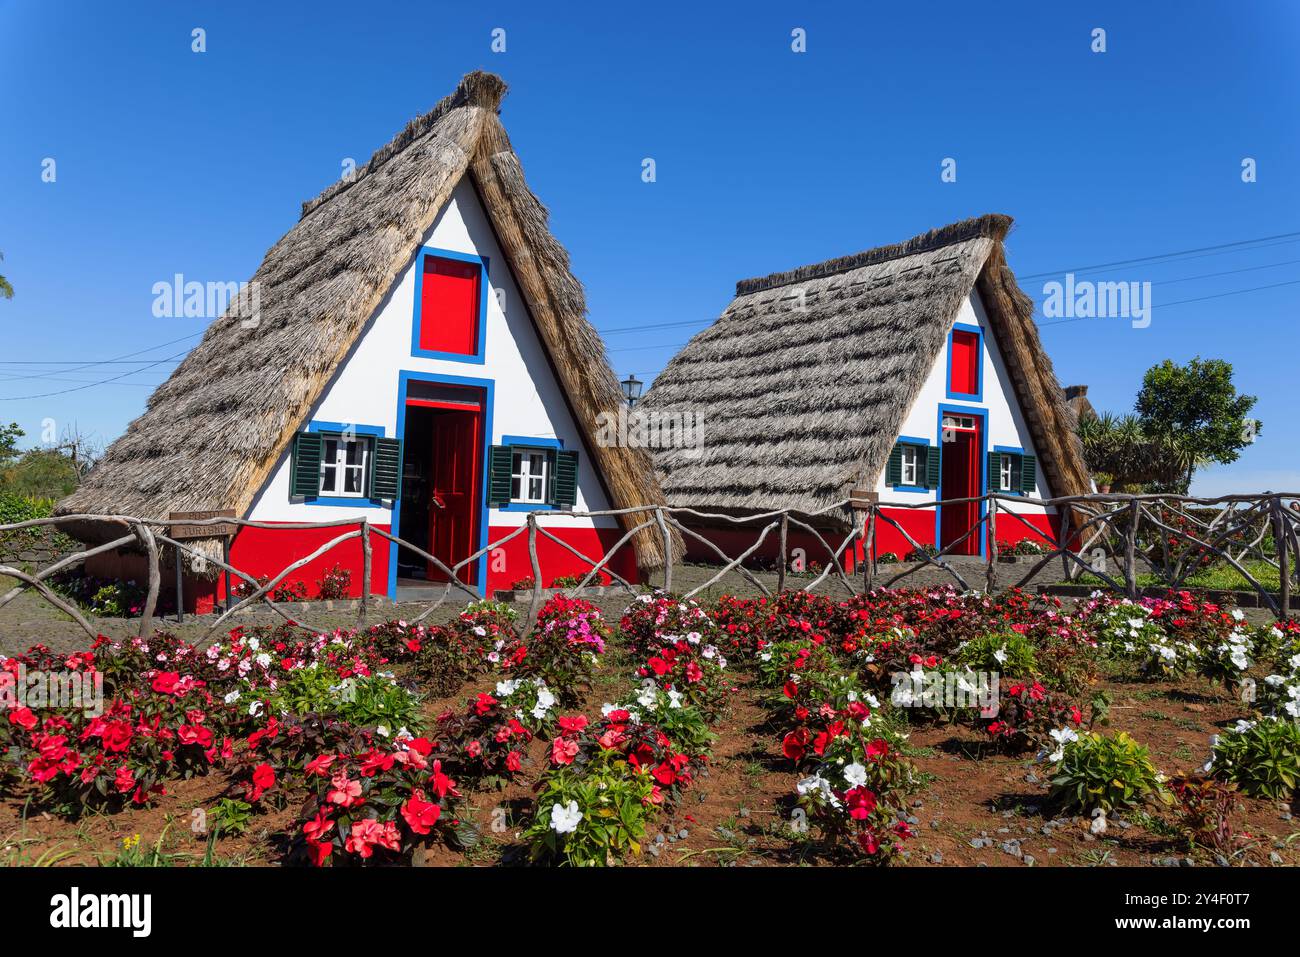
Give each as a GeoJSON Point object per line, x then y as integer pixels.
{"type": "Point", "coordinates": [406, 376]}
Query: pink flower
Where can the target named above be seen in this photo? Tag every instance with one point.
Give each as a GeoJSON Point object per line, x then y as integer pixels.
{"type": "Point", "coordinates": [563, 751]}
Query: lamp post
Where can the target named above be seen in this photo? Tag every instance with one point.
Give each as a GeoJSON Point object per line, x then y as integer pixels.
{"type": "Point", "coordinates": [632, 390]}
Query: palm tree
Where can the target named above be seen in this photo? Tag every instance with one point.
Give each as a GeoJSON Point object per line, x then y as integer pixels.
{"type": "Point", "coordinates": [1120, 447]}
{"type": "Point", "coordinates": [6, 290]}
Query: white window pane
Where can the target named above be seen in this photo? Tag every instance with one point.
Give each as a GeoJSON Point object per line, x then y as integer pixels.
{"type": "Point", "coordinates": [535, 489]}
{"type": "Point", "coordinates": [327, 480]}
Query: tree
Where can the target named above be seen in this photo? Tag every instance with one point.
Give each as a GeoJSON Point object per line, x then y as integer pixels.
{"type": "Point", "coordinates": [9, 436]}
{"type": "Point", "coordinates": [1120, 452]}
{"type": "Point", "coordinates": [1198, 406]}
{"type": "Point", "coordinates": [6, 290]}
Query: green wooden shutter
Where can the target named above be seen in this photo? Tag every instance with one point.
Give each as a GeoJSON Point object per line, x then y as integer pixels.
{"type": "Point", "coordinates": [994, 478]}
{"type": "Point", "coordinates": [931, 466]}
{"type": "Point", "coordinates": [1028, 474]}
{"type": "Point", "coordinates": [894, 470]}
{"type": "Point", "coordinates": [304, 472]}
{"type": "Point", "coordinates": [385, 469]}
{"type": "Point", "coordinates": [566, 478]}
{"type": "Point", "coordinates": [499, 462]}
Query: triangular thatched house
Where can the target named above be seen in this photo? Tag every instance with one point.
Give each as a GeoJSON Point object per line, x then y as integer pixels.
{"type": "Point", "coordinates": [913, 371]}
{"type": "Point", "coordinates": [419, 355]}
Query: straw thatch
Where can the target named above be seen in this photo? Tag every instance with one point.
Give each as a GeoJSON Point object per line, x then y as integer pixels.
{"type": "Point", "coordinates": [804, 382]}
{"type": "Point", "coordinates": [213, 432]}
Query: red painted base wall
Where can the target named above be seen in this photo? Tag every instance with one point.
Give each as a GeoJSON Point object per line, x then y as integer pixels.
{"type": "Point", "coordinates": [512, 563]}
{"type": "Point", "coordinates": [918, 523]}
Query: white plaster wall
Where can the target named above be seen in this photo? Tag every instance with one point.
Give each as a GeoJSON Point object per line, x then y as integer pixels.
{"type": "Point", "coordinates": [527, 400]}
{"type": "Point", "coordinates": [1006, 424]}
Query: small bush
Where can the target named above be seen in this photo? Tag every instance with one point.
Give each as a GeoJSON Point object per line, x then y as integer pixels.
{"type": "Point", "coordinates": [1009, 653]}
{"type": "Point", "coordinates": [1101, 772]}
{"type": "Point", "coordinates": [1262, 758]}
{"type": "Point", "coordinates": [335, 584]}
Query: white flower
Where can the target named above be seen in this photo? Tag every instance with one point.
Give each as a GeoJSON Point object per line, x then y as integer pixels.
{"type": "Point", "coordinates": [1001, 656]}
{"type": "Point", "coordinates": [264, 660]}
{"type": "Point", "coordinates": [480, 630]}
{"type": "Point", "coordinates": [232, 697]}
{"type": "Point", "coordinates": [674, 699]}
{"type": "Point", "coordinates": [493, 657]}
{"type": "Point", "coordinates": [765, 656]}
{"type": "Point", "coordinates": [255, 709]}
{"type": "Point", "coordinates": [1062, 737]}
{"type": "Point", "coordinates": [506, 688]}
{"type": "Point", "coordinates": [565, 817]}
{"type": "Point", "coordinates": [1238, 614]}
{"type": "Point", "coordinates": [646, 698]}
{"type": "Point", "coordinates": [381, 730]}
{"type": "Point", "coordinates": [693, 637]}
{"type": "Point", "coordinates": [254, 643]}
{"type": "Point", "coordinates": [544, 697]}
{"type": "Point", "coordinates": [856, 775]}
{"type": "Point", "coordinates": [1243, 726]}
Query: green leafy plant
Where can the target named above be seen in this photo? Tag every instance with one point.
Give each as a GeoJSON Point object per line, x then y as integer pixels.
{"type": "Point", "coordinates": [230, 816]}
{"type": "Point", "coordinates": [591, 817]}
{"type": "Point", "coordinates": [1104, 772]}
{"type": "Point", "coordinates": [1009, 653]}
{"type": "Point", "coordinates": [1262, 758]}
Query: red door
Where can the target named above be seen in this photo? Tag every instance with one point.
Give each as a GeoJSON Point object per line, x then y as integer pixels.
{"type": "Point", "coordinates": [960, 479]}
{"type": "Point", "coordinates": [454, 507]}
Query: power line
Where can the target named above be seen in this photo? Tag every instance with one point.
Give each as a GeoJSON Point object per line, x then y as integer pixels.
{"type": "Point", "coordinates": [1179, 302]}
{"type": "Point", "coordinates": [90, 385]}
{"type": "Point", "coordinates": [115, 360]}
{"type": "Point", "coordinates": [1143, 259]}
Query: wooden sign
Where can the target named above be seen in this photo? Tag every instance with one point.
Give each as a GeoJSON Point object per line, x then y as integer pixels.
{"type": "Point", "coordinates": [861, 498]}
{"type": "Point", "coordinates": [181, 531]}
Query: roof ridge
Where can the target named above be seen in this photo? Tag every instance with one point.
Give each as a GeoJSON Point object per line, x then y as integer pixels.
{"type": "Point", "coordinates": [990, 225]}
{"type": "Point", "coordinates": [476, 88]}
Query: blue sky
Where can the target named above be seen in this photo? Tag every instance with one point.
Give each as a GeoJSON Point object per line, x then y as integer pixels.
{"type": "Point", "coordinates": [170, 161]}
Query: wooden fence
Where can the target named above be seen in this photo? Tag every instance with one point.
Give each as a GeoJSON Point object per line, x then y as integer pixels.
{"type": "Point", "coordinates": [1106, 536]}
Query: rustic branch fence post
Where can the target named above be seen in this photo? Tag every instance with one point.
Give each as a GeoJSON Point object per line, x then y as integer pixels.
{"type": "Point", "coordinates": [366, 561]}
{"type": "Point", "coordinates": [869, 553]}
{"type": "Point", "coordinates": [535, 601]}
{"type": "Point", "coordinates": [1283, 563]}
{"type": "Point", "coordinates": [1130, 550]}
{"type": "Point", "coordinates": [668, 548]}
{"type": "Point", "coordinates": [991, 583]}
{"type": "Point", "coordinates": [782, 558]}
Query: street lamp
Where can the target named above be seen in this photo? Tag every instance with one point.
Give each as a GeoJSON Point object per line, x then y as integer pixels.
{"type": "Point", "coordinates": [632, 390]}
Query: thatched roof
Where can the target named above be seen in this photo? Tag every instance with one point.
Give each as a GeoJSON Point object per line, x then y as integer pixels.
{"type": "Point", "coordinates": [1076, 397]}
{"type": "Point", "coordinates": [800, 405]}
{"type": "Point", "coordinates": [215, 429]}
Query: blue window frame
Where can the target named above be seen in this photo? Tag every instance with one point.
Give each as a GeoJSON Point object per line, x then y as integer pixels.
{"type": "Point", "coordinates": [345, 428]}
{"type": "Point", "coordinates": [532, 442]}
{"type": "Point", "coordinates": [484, 289]}
{"type": "Point", "coordinates": [995, 482]}
{"type": "Point", "coordinates": [978, 394]}
{"type": "Point", "coordinates": [920, 485]}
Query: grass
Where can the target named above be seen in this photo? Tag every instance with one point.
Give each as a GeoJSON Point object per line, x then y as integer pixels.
{"type": "Point", "coordinates": [1220, 577]}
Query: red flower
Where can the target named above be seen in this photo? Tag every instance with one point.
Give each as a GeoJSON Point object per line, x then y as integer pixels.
{"type": "Point", "coordinates": [320, 764]}
{"type": "Point", "coordinates": [319, 851]}
{"type": "Point", "coordinates": [878, 749]}
{"type": "Point", "coordinates": [23, 718]}
{"type": "Point", "coordinates": [189, 734]}
{"type": "Point", "coordinates": [116, 736]}
{"type": "Point", "coordinates": [860, 803]}
{"type": "Point", "coordinates": [563, 751]}
{"type": "Point", "coordinates": [570, 726]}
{"type": "Point", "coordinates": [263, 780]}
{"type": "Point", "coordinates": [791, 690]}
{"type": "Point", "coordinates": [794, 744]}
{"type": "Point", "coordinates": [419, 814]}
{"type": "Point", "coordinates": [164, 682]}
{"type": "Point", "coordinates": [513, 762]}
{"type": "Point", "coordinates": [694, 672]}
{"type": "Point", "coordinates": [318, 827]}
{"type": "Point", "coordinates": [124, 780]}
